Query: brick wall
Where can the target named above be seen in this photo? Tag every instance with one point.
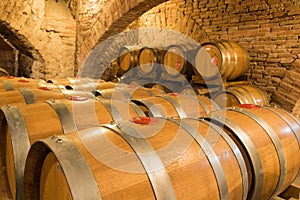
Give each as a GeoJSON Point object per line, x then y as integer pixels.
{"type": "Point", "coordinates": [101, 19]}
{"type": "Point", "coordinates": [7, 56]}
{"type": "Point", "coordinates": [268, 30]}
{"type": "Point", "coordinates": [42, 30]}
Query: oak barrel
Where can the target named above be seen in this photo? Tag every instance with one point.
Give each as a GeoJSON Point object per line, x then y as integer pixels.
{"type": "Point", "coordinates": [155, 159]}
{"type": "Point", "coordinates": [33, 95]}
{"type": "Point", "coordinates": [78, 83]}
{"type": "Point", "coordinates": [241, 94]}
{"type": "Point", "coordinates": [30, 95]}
{"type": "Point", "coordinates": [8, 83]}
{"type": "Point", "coordinates": [22, 125]}
{"type": "Point", "coordinates": [174, 105]}
{"type": "Point", "coordinates": [230, 59]}
{"type": "Point", "coordinates": [177, 60]}
{"type": "Point", "coordinates": [149, 60]}
{"type": "Point", "coordinates": [128, 58]}
{"type": "Point", "coordinates": [127, 92]}
{"type": "Point", "coordinates": [269, 140]}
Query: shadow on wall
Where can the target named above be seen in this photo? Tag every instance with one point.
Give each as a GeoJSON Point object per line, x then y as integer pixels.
{"type": "Point", "coordinates": [24, 57]}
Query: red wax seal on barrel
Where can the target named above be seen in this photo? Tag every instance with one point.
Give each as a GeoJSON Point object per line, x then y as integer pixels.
{"type": "Point", "coordinates": [23, 80]}
{"type": "Point", "coordinates": [45, 88]}
{"type": "Point", "coordinates": [9, 77]}
{"type": "Point", "coordinates": [143, 120]}
{"type": "Point", "coordinates": [77, 98]}
{"type": "Point", "coordinates": [250, 106]}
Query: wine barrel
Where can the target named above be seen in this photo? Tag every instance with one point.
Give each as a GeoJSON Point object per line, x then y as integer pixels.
{"type": "Point", "coordinates": [127, 92]}
{"type": "Point", "coordinates": [176, 162]}
{"type": "Point", "coordinates": [173, 105]}
{"type": "Point", "coordinates": [32, 95]}
{"type": "Point", "coordinates": [83, 84]}
{"type": "Point", "coordinates": [22, 125]}
{"type": "Point", "coordinates": [177, 60]}
{"type": "Point", "coordinates": [69, 83]}
{"type": "Point", "coordinates": [148, 60]}
{"type": "Point", "coordinates": [107, 85]}
{"type": "Point", "coordinates": [229, 58]}
{"type": "Point", "coordinates": [8, 83]}
{"type": "Point", "coordinates": [3, 72]}
{"type": "Point", "coordinates": [128, 58]}
{"type": "Point", "coordinates": [241, 94]}
{"type": "Point", "coordinates": [63, 82]}
{"type": "Point", "coordinates": [29, 96]}
{"type": "Point", "coordinates": [269, 140]}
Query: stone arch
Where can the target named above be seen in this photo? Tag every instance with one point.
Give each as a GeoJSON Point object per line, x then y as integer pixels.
{"type": "Point", "coordinates": [116, 16]}
{"type": "Point", "coordinates": [27, 57]}
{"type": "Point", "coordinates": [49, 40]}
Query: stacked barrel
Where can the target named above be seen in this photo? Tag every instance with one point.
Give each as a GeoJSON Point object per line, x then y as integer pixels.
{"type": "Point", "coordinates": [94, 139]}
{"type": "Point", "coordinates": [217, 156]}
{"type": "Point", "coordinates": [214, 69]}
{"type": "Point", "coordinates": [38, 107]}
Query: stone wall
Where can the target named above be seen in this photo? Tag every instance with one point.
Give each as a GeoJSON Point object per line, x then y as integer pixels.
{"type": "Point", "coordinates": [268, 30]}
{"type": "Point", "coordinates": [7, 56]}
{"type": "Point", "coordinates": [42, 30]}
{"type": "Point", "coordinates": [45, 31]}
{"type": "Point", "coordinates": [100, 19]}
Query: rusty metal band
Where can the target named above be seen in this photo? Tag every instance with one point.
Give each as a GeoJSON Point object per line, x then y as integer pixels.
{"type": "Point", "coordinates": [237, 153]}
{"type": "Point", "coordinates": [248, 92]}
{"type": "Point", "coordinates": [211, 156]}
{"type": "Point", "coordinates": [65, 116]}
{"type": "Point", "coordinates": [251, 150]}
{"type": "Point", "coordinates": [74, 167]}
{"type": "Point", "coordinates": [236, 60]}
{"type": "Point", "coordinates": [155, 169]}
{"type": "Point", "coordinates": [8, 86]}
{"type": "Point", "coordinates": [112, 110]}
{"type": "Point", "coordinates": [155, 112]}
{"type": "Point", "coordinates": [275, 140]}
{"type": "Point", "coordinates": [21, 145]}
{"type": "Point", "coordinates": [28, 96]}
{"type": "Point", "coordinates": [137, 109]}
{"type": "Point", "coordinates": [176, 105]}
{"type": "Point", "coordinates": [288, 122]}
